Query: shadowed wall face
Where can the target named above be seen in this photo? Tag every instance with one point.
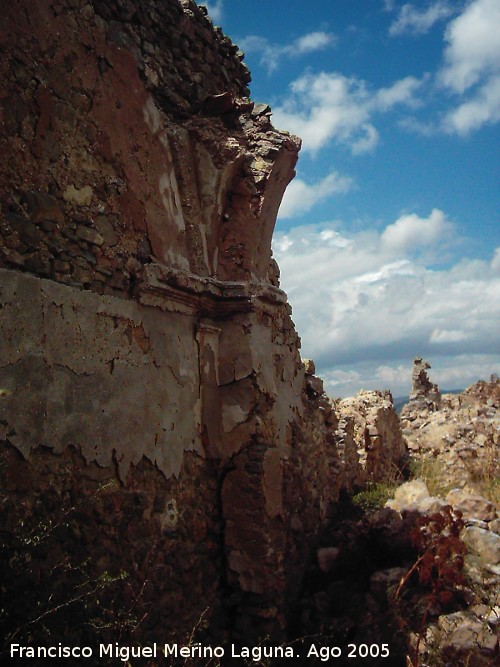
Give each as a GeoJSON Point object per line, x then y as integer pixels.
{"type": "Point", "coordinates": [139, 188]}
{"type": "Point", "coordinates": [149, 365]}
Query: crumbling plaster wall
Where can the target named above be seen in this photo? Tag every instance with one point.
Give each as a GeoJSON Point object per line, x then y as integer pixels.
{"type": "Point", "coordinates": [139, 188]}
{"type": "Point", "coordinates": [103, 374]}
{"type": "Point", "coordinates": [145, 340]}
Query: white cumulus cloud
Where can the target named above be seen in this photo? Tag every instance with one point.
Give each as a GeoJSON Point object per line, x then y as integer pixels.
{"type": "Point", "coordinates": [330, 106]}
{"type": "Point", "coordinates": [271, 54]}
{"type": "Point", "coordinates": [471, 67]}
{"type": "Point", "coordinates": [481, 109]}
{"type": "Point", "coordinates": [313, 41]}
{"type": "Point", "coordinates": [467, 81]}
{"type": "Point", "coordinates": [495, 262]}
{"type": "Point", "coordinates": [473, 46]}
{"type": "Point", "coordinates": [401, 92]}
{"type": "Point", "coordinates": [300, 196]}
{"type": "Point", "coordinates": [447, 336]}
{"type": "Point", "coordinates": [418, 20]}
{"type": "Point", "coordinates": [366, 303]}
{"type": "Point", "coordinates": [411, 231]}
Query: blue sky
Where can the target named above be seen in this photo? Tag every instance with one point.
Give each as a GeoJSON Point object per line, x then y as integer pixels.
{"type": "Point", "coordinates": [388, 238]}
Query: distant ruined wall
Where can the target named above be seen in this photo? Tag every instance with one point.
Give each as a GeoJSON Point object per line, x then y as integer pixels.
{"type": "Point", "coordinates": [425, 395]}
{"type": "Point", "coordinates": [149, 368]}
{"type": "Point", "coordinates": [377, 436]}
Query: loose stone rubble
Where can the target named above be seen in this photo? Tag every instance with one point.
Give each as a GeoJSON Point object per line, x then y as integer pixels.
{"type": "Point", "coordinates": [463, 431]}
{"type": "Point", "coordinates": [455, 439]}
{"type": "Point", "coordinates": [470, 634]}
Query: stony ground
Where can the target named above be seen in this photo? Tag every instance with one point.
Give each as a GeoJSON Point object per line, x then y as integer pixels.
{"type": "Point", "coordinates": [457, 443]}
{"type": "Point", "coordinates": [456, 449]}
{"type": "Point", "coordinates": [422, 573]}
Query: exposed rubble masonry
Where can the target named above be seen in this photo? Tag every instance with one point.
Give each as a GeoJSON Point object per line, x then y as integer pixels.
{"type": "Point", "coordinates": [146, 345]}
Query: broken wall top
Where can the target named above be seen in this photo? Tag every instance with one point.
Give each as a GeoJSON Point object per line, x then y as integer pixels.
{"type": "Point", "coordinates": [128, 139]}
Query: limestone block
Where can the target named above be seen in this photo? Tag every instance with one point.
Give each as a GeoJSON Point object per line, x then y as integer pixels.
{"type": "Point", "coordinates": [78, 196]}
{"type": "Point", "coordinates": [494, 526]}
{"type": "Point", "coordinates": [409, 495]}
{"type": "Point", "coordinates": [471, 506]}
{"type": "Point", "coordinates": [463, 632]}
{"type": "Point", "coordinates": [484, 543]}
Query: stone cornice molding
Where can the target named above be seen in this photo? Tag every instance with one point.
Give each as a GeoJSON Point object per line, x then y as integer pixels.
{"type": "Point", "coordinates": [173, 289]}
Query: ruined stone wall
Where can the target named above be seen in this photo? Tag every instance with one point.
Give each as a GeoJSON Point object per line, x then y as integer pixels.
{"type": "Point", "coordinates": [377, 436]}
{"type": "Point", "coordinates": [150, 377]}
{"type": "Point", "coordinates": [127, 137]}
{"type": "Point", "coordinates": [139, 190]}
